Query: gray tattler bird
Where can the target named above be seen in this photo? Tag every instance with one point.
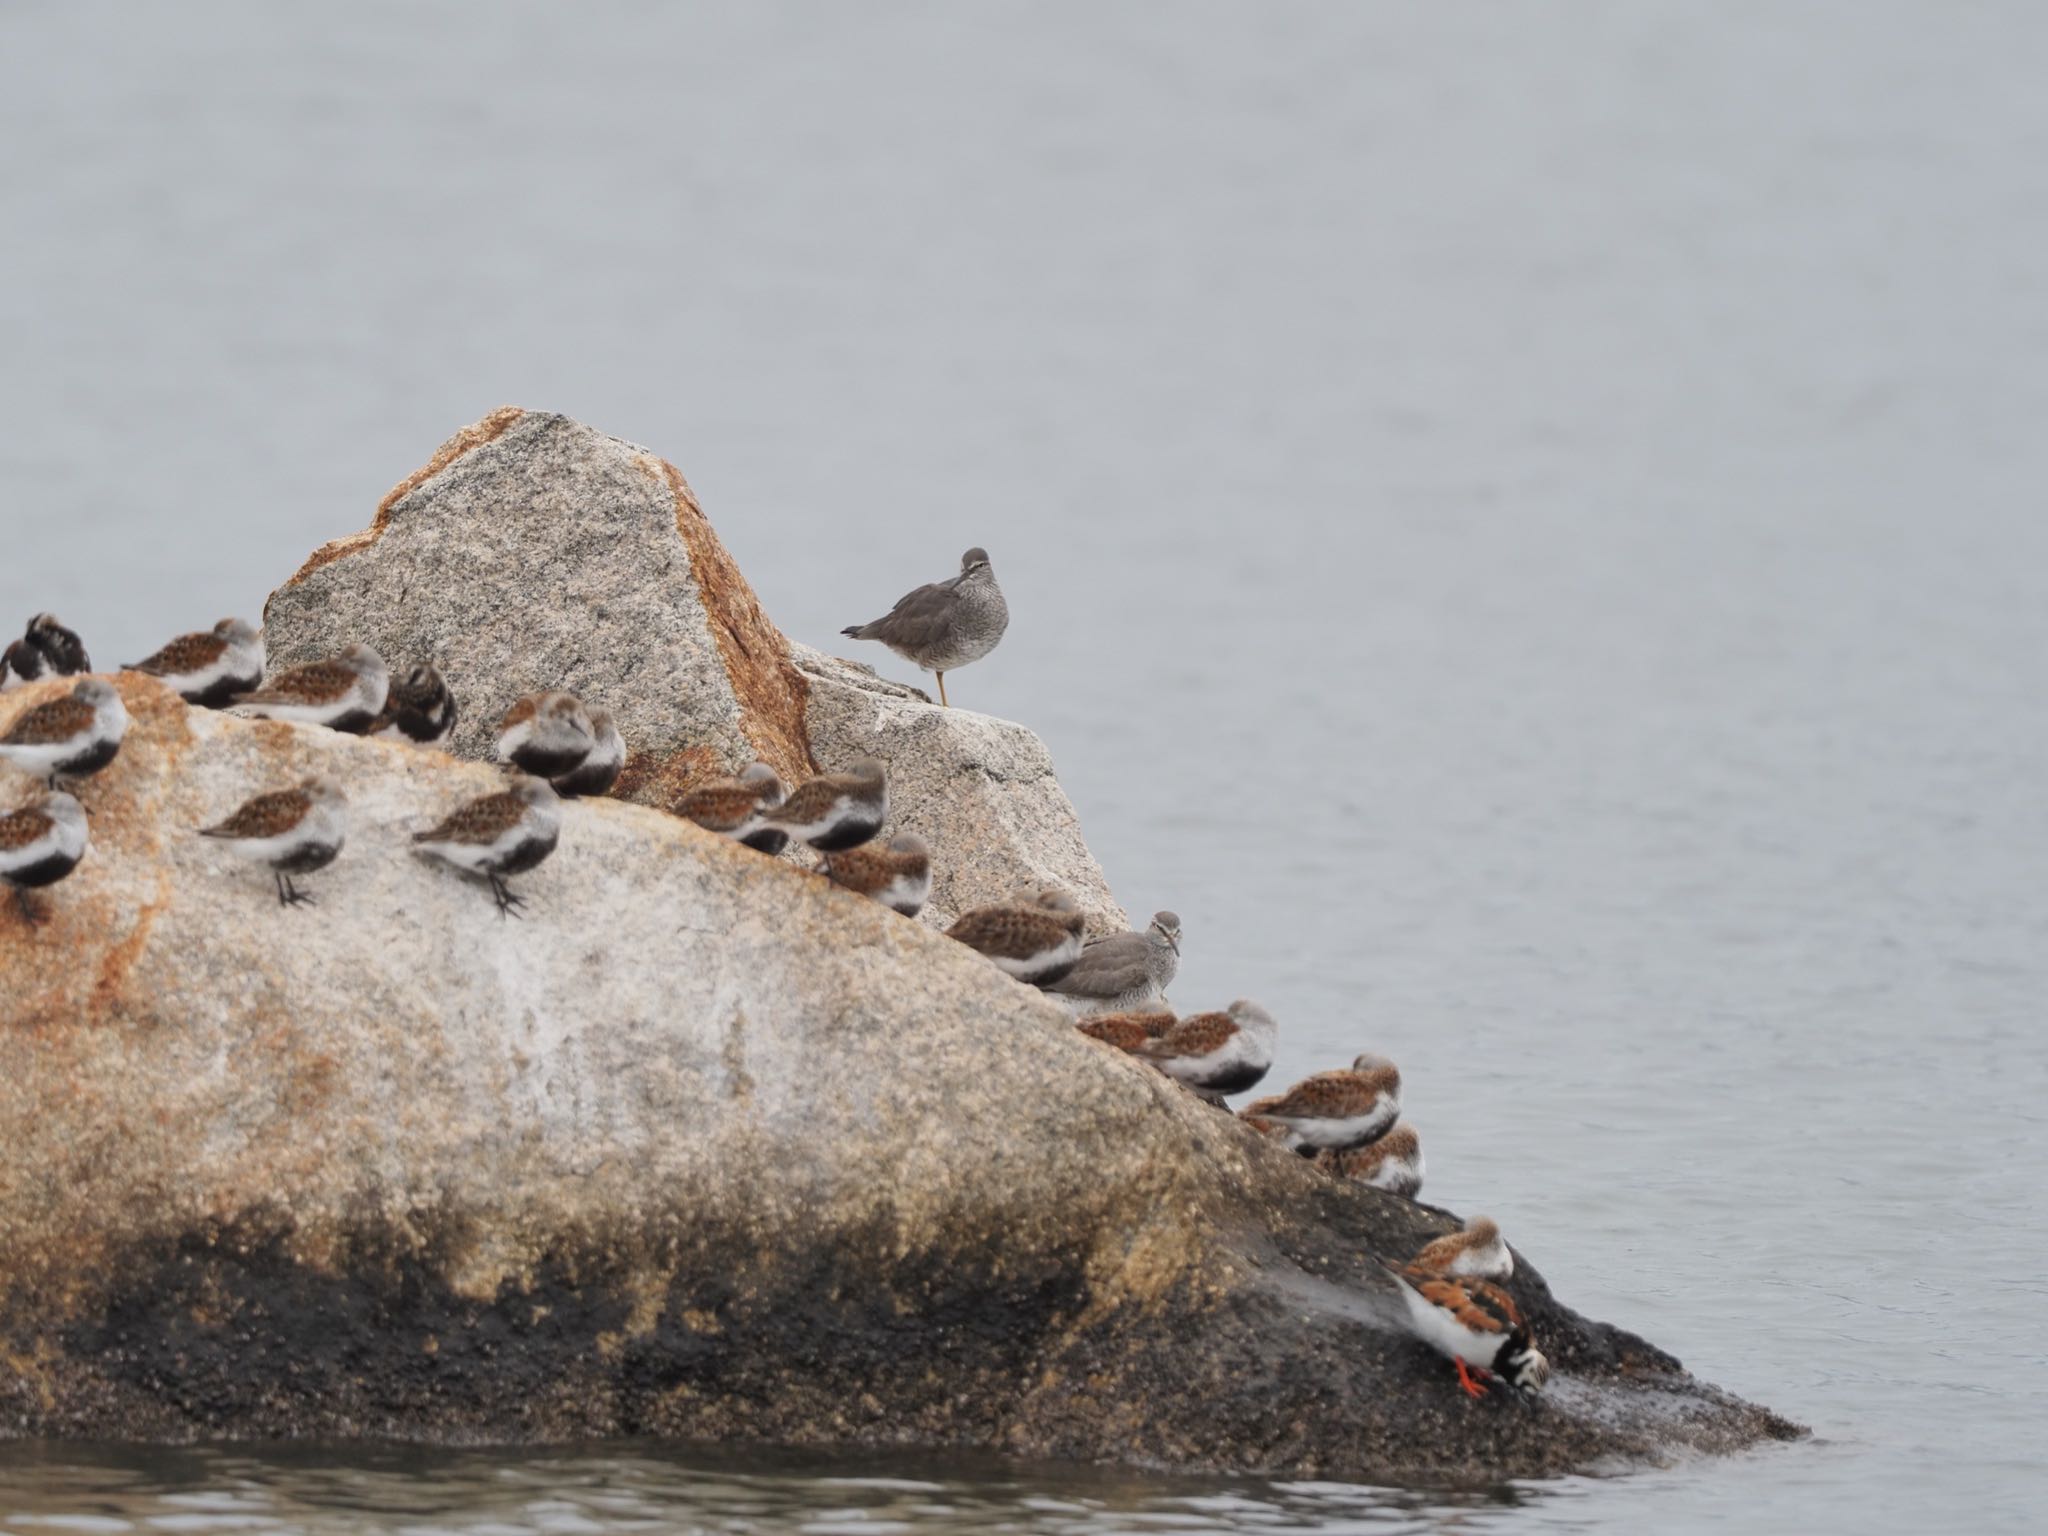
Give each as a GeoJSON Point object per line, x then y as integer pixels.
{"type": "Point", "coordinates": [1123, 971]}
{"type": "Point", "coordinates": [944, 625]}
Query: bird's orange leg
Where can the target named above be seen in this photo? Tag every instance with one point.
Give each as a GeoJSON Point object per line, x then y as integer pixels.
{"type": "Point", "coordinates": [1472, 1387]}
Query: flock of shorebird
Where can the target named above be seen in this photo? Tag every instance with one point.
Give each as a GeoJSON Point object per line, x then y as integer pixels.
{"type": "Point", "coordinates": [1348, 1121]}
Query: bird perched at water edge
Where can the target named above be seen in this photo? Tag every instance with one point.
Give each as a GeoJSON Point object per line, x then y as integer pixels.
{"type": "Point", "coordinates": [1477, 1250]}
{"type": "Point", "coordinates": [498, 835]}
{"type": "Point", "coordinates": [293, 831]}
{"type": "Point", "coordinates": [944, 625]}
{"type": "Point", "coordinates": [1393, 1163]}
{"type": "Point", "coordinates": [210, 666]}
{"type": "Point", "coordinates": [41, 843]}
{"type": "Point", "coordinates": [70, 737]}
{"type": "Point", "coordinates": [1338, 1109]}
{"type": "Point", "coordinates": [1476, 1324]}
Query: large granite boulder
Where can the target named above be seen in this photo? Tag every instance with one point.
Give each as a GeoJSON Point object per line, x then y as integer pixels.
{"type": "Point", "coordinates": [534, 552]}
{"type": "Point", "coordinates": [702, 1147]}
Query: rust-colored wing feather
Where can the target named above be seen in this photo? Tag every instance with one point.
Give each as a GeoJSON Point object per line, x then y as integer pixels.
{"type": "Point", "coordinates": [187, 653]}
{"type": "Point", "coordinates": [813, 799]}
{"type": "Point", "coordinates": [20, 828]}
{"type": "Point", "coordinates": [1196, 1035]}
{"type": "Point", "coordinates": [1478, 1304]}
{"type": "Point", "coordinates": [270, 815]}
{"type": "Point", "coordinates": [314, 683]}
{"type": "Point", "coordinates": [719, 806]}
{"type": "Point", "coordinates": [57, 720]}
{"type": "Point", "coordinates": [525, 707]}
{"type": "Point", "coordinates": [482, 820]}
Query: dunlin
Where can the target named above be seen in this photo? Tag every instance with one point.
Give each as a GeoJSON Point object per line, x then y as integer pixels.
{"type": "Point", "coordinates": [1476, 1324]}
{"type": "Point", "coordinates": [898, 874]}
{"type": "Point", "coordinates": [1393, 1163]}
{"type": "Point", "coordinates": [40, 844]}
{"type": "Point", "coordinates": [211, 666]}
{"type": "Point", "coordinates": [944, 625]}
{"type": "Point", "coordinates": [1339, 1109]}
{"type": "Point", "coordinates": [1123, 971]}
{"type": "Point", "coordinates": [45, 649]}
{"type": "Point", "coordinates": [343, 693]}
{"type": "Point", "coordinates": [498, 835]}
{"type": "Point", "coordinates": [598, 772]}
{"type": "Point", "coordinates": [1128, 1031]}
{"type": "Point", "coordinates": [733, 808]}
{"type": "Point", "coordinates": [1036, 941]}
{"type": "Point", "coordinates": [1216, 1053]}
{"type": "Point", "coordinates": [69, 737]}
{"type": "Point", "coordinates": [292, 831]}
{"type": "Point", "coordinates": [836, 810]}
{"type": "Point", "coordinates": [546, 734]}
{"type": "Point", "coordinates": [1478, 1250]}
{"type": "Point", "coordinates": [419, 709]}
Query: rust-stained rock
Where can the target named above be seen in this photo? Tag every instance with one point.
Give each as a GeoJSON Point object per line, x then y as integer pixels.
{"type": "Point", "coordinates": [704, 1147]}
{"type": "Point", "coordinates": [534, 552]}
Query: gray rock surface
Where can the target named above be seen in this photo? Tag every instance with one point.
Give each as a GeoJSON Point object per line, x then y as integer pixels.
{"type": "Point", "coordinates": [533, 552]}
{"type": "Point", "coordinates": [703, 1147]}
{"type": "Point", "coordinates": [981, 791]}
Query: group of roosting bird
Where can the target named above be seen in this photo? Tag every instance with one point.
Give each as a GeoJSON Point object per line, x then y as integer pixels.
{"type": "Point", "coordinates": [556, 746]}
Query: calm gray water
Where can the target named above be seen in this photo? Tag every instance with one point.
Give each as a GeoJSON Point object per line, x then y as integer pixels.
{"type": "Point", "coordinates": [1524, 525]}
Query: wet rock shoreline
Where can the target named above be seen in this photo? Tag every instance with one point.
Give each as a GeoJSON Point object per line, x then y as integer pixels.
{"type": "Point", "coordinates": [705, 1148]}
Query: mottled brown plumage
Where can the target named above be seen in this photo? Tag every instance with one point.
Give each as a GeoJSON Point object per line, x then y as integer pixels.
{"type": "Point", "coordinates": [1016, 932]}
{"type": "Point", "coordinates": [481, 821]}
{"type": "Point", "coordinates": [1196, 1035]}
{"type": "Point", "coordinates": [51, 722]}
{"type": "Point", "coordinates": [270, 815]}
{"type": "Point", "coordinates": [317, 682]}
{"type": "Point", "coordinates": [722, 806]}
{"type": "Point", "coordinates": [187, 653]}
{"type": "Point", "coordinates": [1334, 1095]}
{"type": "Point", "coordinates": [1130, 1030]}
{"type": "Point", "coordinates": [20, 828]}
{"type": "Point", "coordinates": [1479, 1305]}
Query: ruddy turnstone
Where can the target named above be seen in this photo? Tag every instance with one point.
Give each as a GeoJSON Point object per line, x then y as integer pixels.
{"type": "Point", "coordinates": [546, 734]}
{"type": "Point", "coordinates": [1478, 1251]}
{"type": "Point", "coordinates": [45, 649]}
{"type": "Point", "coordinates": [418, 708]}
{"type": "Point", "coordinates": [1216, 1053]}
{"type": "Point", "coordinates": [1123, 971]}
{"type": "Point", "coordinates": [898, 874]}
{"type": "Point", "coordinates": [1339, 1109]}
{"type": "Point", "coordinates": [733, 808]}
{"type": "Point", "coordinates": [40, 844]}
{"type": "Point", "coordinates": [343, 693]}
{"type": "Point", "coordinates": [1128, 1031]}
{"type": "Point", "coordinates": [1036, 941]}
{"type": "Point", "coordinates": [1393, 1163]}
{"type": "Point", "coordinates": [497, 835]}
{"type": "Point", "coordinates": [944, 625]}
{"type": "Point", "coordinates": [69, 737]}
{"type": "Point", "coordinates": [211, 666]}
{"type": "Point", "coordinates": [1476, 1324]}
{"type": "Point", "coordinates": [293, 831]}
{"type": "Point", "coordinates": [836, 811]}
{"type": "Point", "coordinates": [598, 772]}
